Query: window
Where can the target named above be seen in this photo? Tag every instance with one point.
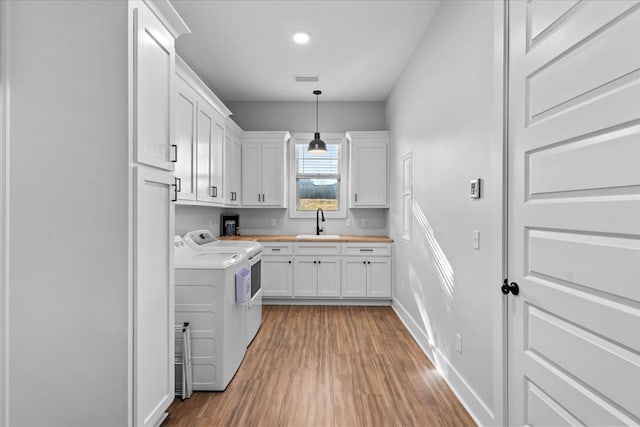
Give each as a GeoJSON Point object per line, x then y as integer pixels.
{"type": "Point", "coordinates": [317, 180]}
{"type": "Point", "coordinates": [407, 189]}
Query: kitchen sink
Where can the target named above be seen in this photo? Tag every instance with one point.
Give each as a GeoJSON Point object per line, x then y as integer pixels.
{"type": "Point", "coordinates": [314, 236]}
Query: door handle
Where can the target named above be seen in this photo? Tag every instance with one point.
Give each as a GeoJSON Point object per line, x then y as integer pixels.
{"type": "Point", "coordinates": [179, 182]}
{"type": "Point", "coordinates": [510, 287]}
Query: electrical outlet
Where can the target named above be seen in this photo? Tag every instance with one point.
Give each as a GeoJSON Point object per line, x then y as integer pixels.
{"type": "Point", "coordinates": [459, 343]}
{"type": "Point", "coordinates": [363, 223]}
{"type": "Point", "coordinates": [476, 239]}
{"type": "Point", "coordinates": [348, 222]}
{"type": "Point", "coordinates": [274, 222]}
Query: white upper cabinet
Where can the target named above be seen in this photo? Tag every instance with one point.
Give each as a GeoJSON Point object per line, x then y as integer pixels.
{"type": "Point", "coordinates": [153, 69]}
{"type": "Point", "coordinates": [210, 137]}
{"type": "Point", "coordinates": [369, 169]}
{"type": "Point", "coordinates": [185, 107]}
{"type": "Point", "coordinates": [232, 163]}
{"type": "Point", "coordinates": [199, 118]}
{"type": "Point", "coordinates": [264, 169]}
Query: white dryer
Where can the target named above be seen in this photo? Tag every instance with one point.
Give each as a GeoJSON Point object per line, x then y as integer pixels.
{"type": "Point", "coordinates": [204, 240]}
{"type": "Point", "coordinates": [205, 296]}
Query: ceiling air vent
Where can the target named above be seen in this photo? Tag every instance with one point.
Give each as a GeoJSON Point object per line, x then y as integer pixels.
{"type": "Point", "coordinates": [306, 79]}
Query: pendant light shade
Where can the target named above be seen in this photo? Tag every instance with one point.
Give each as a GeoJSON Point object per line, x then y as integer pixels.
{"type": "Point", "coordinates": [317, 146]}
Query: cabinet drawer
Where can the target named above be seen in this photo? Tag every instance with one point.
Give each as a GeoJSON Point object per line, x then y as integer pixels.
{"type": "Point", "coordinates": [371, 249]}
{"type": "Point", "coordinates": [317, 248]}
{"type": "Point", "coordinates": [277, 248]}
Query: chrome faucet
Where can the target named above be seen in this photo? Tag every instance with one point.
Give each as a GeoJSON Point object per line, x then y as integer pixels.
{"type": "Point", "coordinates": [318, 229]}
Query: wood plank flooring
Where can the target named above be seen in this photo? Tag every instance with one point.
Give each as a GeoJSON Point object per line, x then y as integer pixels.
{"type": "Point", "coordinates": [328, 366]}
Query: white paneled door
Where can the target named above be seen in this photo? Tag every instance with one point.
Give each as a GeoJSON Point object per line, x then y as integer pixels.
{"type": "Point", "coordinates": [574, 213]}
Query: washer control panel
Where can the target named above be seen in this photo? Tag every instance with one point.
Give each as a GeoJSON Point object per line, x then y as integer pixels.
{"type": "Point", "coordinates": [201, 237]}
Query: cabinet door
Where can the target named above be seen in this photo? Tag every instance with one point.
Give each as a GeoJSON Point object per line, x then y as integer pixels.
{"type": "Point", "coordinates": [185, 107]}
{"type": "Point", "coordinates": [354, 277]}
{"type": "Point", "coordinates": [232, 155]}
{"type": "Point", "coordinates": [305, 273]}
{"type": "Point", "coordinates": [153, 76]}
{"type": "Point", "coordinates": [204, 136]}
{"type": "Point", "coordinates": [210, 136]}
{"type": "Point", "coordinates": [216, 172]}
{"type": "Point", "coordinates": [379, 277]}
{"type": "Point", "coordinates": [277, 276]}
{"type": "Point", "coordinates": [369, 185]}
{"type": "Point", "coordinates": [251, 188]}
{"type": "Point", "coordinates": [272, 174]}
{"type": "Point", "coordinates": [236, 172]}
{"type": "Point", "coordinates": [153, 295]}
{"type": "Point", "coordinates": [329, 277]}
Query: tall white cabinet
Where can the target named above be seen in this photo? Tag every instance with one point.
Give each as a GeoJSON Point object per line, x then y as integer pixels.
{"type": "Point", "coordinates": [154, 191]}
{"type": "Point", "coordinates": [368, 169]}
{"type": "Point", "coordinates": [264, 169]}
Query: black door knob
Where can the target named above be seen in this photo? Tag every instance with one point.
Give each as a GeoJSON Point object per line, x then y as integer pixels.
{"type": "Point", "coordinates": [510, 287]}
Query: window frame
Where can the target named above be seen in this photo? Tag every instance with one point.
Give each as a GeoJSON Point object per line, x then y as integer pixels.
{"type": "Point", "coordinates": [329, 138]}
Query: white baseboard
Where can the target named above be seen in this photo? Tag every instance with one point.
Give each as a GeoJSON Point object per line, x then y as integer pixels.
{"type": "Point", "coordinates": [478, 410]}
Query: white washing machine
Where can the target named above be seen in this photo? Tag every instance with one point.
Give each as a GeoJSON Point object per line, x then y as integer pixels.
{"type": "Point", "coordinates": [205, 296]}
{"type": "Point", "coordinates": [204, 240]}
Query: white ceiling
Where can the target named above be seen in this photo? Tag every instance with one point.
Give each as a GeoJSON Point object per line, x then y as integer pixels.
{"type": "Point", "coordinates": [243, 49]}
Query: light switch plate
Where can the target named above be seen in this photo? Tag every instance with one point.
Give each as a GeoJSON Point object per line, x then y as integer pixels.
{"type": "Point", "coordinates": [459, 343]}
{"type": "Point", "coordinates": [476, 239]}
{"type": "Point", "coordinates": [363, 223]}
{"type": "Point", "coordinates": [475, 188]}
{"type": "Point", "coordinates": [274, 222]}
{"type": "Point", "coordinates": [348, 222]}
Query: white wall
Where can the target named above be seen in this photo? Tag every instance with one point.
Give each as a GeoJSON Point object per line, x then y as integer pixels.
{"type": "Point", "coordinates": [301, 116]}
{"type": "Point", "coordinates": [296, 117]}
{"type": "Point", "coordinates": [68, 273]}
{"type": "Point", "coordinates": [258, 221]}
{"type": "Point", "coordinates": [446, 110]}
{"type": "Point", "coordinates": [3, 226]}
{"type": "Point", "coordinates": [189, 218]}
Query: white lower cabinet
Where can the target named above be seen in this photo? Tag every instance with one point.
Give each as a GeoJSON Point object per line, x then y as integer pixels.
{"type": "Point", "coordinates": [354, 277]}
{"type": "Point", "coordinates": [277, 276]}
{"type": "Point", "coordinates": [317, 276]}
{"type": "Point", "coordinates": [326, 271]}
{"type": "Point", "coordinates": [366, 277]}
{"type": "Point", "coordinates": [379, 278]}
{"type": "Point", "coordinates": [329, 277]}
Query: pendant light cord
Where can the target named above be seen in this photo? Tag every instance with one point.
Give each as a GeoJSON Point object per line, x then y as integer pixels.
{"type": "Point", "coordinates": [316, 113]}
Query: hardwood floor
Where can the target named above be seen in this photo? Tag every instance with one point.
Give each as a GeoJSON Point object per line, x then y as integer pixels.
{"type": "Point", "coordinates": [328, 366]}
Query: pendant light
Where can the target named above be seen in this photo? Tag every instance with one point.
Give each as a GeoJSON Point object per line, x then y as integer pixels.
{"type": "Point", "coordinates": [317, 146]}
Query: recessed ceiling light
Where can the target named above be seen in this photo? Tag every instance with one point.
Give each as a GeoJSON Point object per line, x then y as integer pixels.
{"type": "Point", "coordinates": [301, 38]}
